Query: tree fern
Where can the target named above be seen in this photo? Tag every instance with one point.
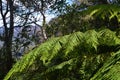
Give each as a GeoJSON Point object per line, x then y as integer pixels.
{"type": "Point", "coordinates": [104, 10]}
{"type": "Point", "coordinates": [67, 57]}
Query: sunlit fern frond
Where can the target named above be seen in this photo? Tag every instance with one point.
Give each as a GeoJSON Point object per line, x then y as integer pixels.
{"type": "Point", "coordinates": [110, 70]}
{"type": "Point", "coordinates": [104, 11]}
{"type": "Point", "coordinates": [63, 54]}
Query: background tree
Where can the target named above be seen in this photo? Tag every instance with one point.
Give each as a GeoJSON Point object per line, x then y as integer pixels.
{"type": "Point", "coordinates": [42, 6]}
{"type": "Point", "coordinates": [24, 39]}
{"type": "Point", "coordinates": [82, 17]}
{"type": "Point", "coordinates": [6, 7]}
{"type": "Point", "coordinates": [10, 9]}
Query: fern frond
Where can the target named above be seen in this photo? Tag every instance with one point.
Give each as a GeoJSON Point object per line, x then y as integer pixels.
{"type": "Point", "coordinates": [108, 37]}
{"type": "Point", "coordinates": [75, 39]}
{"type": "Point", "coordinates": [55, 48]}
{"type": "Point", "coordinates": [91, 38]}
{"type": "Point", "coordinates": [59, 66]}
{"type": "Point", "coordinates": [110, 69]}
{"type": "Point", "coordinates": [57, 52]}
{"type": "Point", "coordinates": [104, 10]}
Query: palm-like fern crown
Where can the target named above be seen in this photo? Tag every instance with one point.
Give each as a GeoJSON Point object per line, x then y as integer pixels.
{"type": "Point", "coordinates": [64, 52]}
{"type": "Point", "coordinates": [76, 56]}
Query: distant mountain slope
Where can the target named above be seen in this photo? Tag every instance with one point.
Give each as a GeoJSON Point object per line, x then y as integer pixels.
{"type": "Point", "coordinates": [24, 38]}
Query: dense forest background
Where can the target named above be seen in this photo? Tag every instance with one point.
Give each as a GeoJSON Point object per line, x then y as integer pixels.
{"type": "Point", "coordinates": [82, 41]}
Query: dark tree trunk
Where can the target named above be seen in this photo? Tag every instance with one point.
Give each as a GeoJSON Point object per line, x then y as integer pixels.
{"type": "Point", "coordinates": [8, 34]}
{"type": "Point", "coordinates": [8, 39]}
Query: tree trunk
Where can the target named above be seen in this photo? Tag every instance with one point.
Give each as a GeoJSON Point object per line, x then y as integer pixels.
{"type": "Point", "coordinates": [8, 39]}
{"type": "Point", "coordinates": [44, 26]}
{"type": "Point", "coordinates": [8, 34]}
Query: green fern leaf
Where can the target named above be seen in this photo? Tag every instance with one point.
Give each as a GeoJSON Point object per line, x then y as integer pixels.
{"type": "Point", "coordinates": [104, 10]}
{"type": "Point", "coordinates": [58, 52]}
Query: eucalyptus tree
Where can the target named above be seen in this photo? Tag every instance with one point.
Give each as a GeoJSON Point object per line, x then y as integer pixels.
{"type": "Point", "coordinates": [43, 7]}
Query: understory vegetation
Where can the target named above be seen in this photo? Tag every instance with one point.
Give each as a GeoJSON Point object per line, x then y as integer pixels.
{"type": "Point", "coordinates": [91, 55]}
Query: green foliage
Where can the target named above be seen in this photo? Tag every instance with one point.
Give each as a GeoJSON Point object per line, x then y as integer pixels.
{"type": "Point", "coordinates": [77, 56]}
{"type": "Point", "coordinates": [105, 15]}
{"type": "Point", "coordinates": [110, 69]}
{"type": "Point", "coordinates": [104, 11]}
{"type": "Point", "coordinates": [82, 19]}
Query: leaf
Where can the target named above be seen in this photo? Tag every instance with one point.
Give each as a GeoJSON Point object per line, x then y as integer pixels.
{"type": "Point", "coordinates": [57, 52]}
{"type": "Point", "coordinates": [105, 10]}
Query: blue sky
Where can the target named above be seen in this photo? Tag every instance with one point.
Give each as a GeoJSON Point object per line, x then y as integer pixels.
{"type": "Point", "coordinates": [69, 1]}
{"type": "Point", "coordinates": [48, 16]}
